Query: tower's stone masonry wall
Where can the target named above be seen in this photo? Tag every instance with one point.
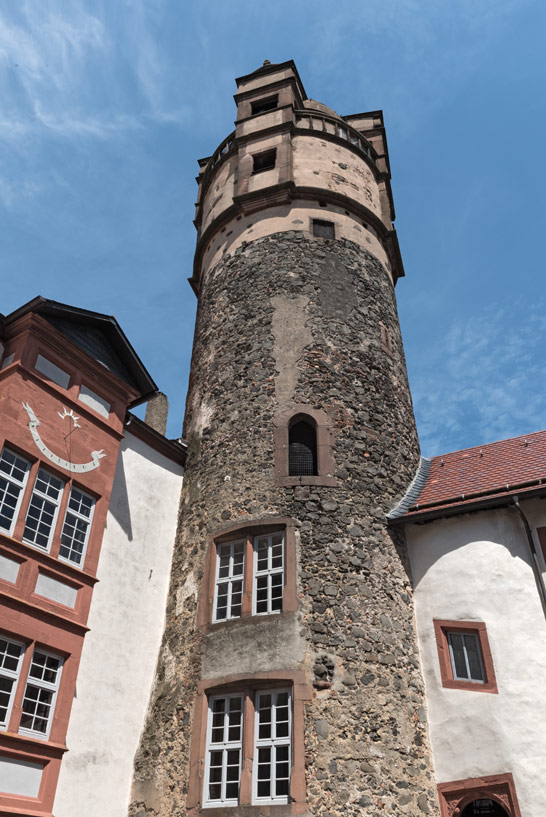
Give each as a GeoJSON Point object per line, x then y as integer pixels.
{"type": "Point", "coordinates": [289, 320]}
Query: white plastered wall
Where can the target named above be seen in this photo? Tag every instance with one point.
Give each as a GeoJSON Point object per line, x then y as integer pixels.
{"type": "Point", "coordinates": [126, 623]}
{"type": "Point", "coordinates": [477, 567]}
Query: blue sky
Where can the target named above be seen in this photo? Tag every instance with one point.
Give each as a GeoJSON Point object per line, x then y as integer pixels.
{"type": "Point", "coordinates": [106, 107]}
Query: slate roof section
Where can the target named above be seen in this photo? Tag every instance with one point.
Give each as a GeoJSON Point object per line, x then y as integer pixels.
{"type": "Point", "coordinates": [484, 475]}
{"type": "Point", "coordinates": [98, 335]}
{"type": "Point", "coordinates": [416, 486]}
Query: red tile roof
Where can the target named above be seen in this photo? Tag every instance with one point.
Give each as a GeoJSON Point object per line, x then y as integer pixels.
{"type": "Point", "coordinates": [509, 466]}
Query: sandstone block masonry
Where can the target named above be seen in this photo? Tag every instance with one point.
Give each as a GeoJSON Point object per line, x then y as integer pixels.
{"type": "Point", "coordinates": [291, 320]}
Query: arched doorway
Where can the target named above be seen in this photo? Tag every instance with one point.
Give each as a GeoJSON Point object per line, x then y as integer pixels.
{"type": "Point", "coordinates": [484, 808]}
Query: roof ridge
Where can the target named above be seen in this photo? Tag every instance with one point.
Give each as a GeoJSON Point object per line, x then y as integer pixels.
{"type": "Point", "coordinates": [487, 445]}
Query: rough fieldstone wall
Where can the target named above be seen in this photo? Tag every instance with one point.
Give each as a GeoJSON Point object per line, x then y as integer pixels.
{"type": "Point", "coordinates": [290, 319]}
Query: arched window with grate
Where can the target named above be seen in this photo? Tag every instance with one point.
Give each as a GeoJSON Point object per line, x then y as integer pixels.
{"type": "Point", "coordinates": [302, 448]}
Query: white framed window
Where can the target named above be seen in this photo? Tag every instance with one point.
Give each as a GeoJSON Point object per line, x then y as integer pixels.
{"type": "Point", "coordinates": [224, 749]}
{"type": "Point", "coordinates": [43, 509]}
{"type": "Point", "coordinates": [228, 591]}
{"type": "Point", "coordinates": [466, 657]}
{"type": "Point", "coordinates": [13, 478]}
{"type": "Point", "coordinates": [40, 693]}
{"type": "Point", "coordinates": [272, 739]}
{"type": "Point", "coordinates": [268, 580]}
{"type": "Point", "coordinates": [76, 526]}
{"type": "Point", "coordinates": [11, 656]}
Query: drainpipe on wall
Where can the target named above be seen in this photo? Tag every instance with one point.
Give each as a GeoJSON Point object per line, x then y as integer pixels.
{"type": "Point", "coordinates": [534, 557]}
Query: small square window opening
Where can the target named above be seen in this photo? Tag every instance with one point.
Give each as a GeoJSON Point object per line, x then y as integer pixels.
{"type": "Point", "coordinates": [264, 161]}
{"type": "Point", "coordinates": [323, 229]}
{"type": "Point", "coordinates": [264, 105]}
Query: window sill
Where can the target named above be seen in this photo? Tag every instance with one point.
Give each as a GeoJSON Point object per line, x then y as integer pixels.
{"type": "Point", "coordinates": [275, 809]}
{"type": "Point", "coordinates": [471, 686]}
{"type": "Point", "coordinates": [32, 745]}
{"type": "Point", "coordinates": [248, 620]}
{"type": "Point", "coordinates": [292, 482]}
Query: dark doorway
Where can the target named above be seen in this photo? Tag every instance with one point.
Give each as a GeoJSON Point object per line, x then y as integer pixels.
{"type": "Point", "coordinates": [484, 808]}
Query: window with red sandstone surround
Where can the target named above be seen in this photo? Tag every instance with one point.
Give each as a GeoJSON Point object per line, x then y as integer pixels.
{"type": "Point", "coordinates": [494, 795]}
{"type": "Point", "coordinates": [270, 736]}
{"type": "Point", "coordinates": [13, 478]}
{"type": "Point", "coordinates": [247, 744]}
{"type": "Point", "coordinates": [465, 656]}
{"type": "Point", "coordinates": [42, 680]}
{"type": "Point", "coordinates": [252, 572]}
{"type": "Point", "coordinates": [41, 518]}
{"type": "Point", "coordinates": [303, 448]}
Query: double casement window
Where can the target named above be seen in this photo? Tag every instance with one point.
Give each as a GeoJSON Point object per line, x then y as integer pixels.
{"type": "Point", "coordinates": [40, 692]}
{"type": "Point", "coordinates": [13, 477]}
{"type": "Point", "coordinates": [42, 514]}
{"type": "Point", "coordinates": [253, 561]}
{"type": "Point", "coordinates": [270, 712]}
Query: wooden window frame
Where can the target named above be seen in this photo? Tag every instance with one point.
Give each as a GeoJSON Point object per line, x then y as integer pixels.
{"type": "Point", "coordinates": [325, 445]}
{"type": "Point", "coordinates": [441, 629]}
{"type": "Point", "coordinates": [269, 572]}
{"type": "Point", "coordinates": [22, 485]}
{"type": "Point", "coordinates": [272, 744]}
{"type": "Point", "coordinates": [455, 796]}
{"type": "Point", "coordinates": [88, 520]}
{"type": "Point", "coordinates": [13, 675]}
{"type": "Point", "coordinates": [249, 686]}
{"type": "Point", "coordinates": [44, 496]}
{"type": "Point", "coordinates": [248, 532]}
{"type": "Point", "coordinates": [230, 579]}
{"type": "Point", "coordinates": [41, 684]}
{"type": "Point", "coordinates": [225, 746]}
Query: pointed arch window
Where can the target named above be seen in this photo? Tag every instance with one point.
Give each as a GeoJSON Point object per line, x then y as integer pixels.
{"type": "Point", "coordinates": [302, 448]}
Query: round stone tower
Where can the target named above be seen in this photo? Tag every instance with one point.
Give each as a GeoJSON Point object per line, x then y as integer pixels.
{"type": "Point", "coordinates": [288, 680]}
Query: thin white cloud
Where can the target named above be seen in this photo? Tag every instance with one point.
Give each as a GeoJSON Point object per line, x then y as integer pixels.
{"type": "Point", "coordinates": [473, 387]}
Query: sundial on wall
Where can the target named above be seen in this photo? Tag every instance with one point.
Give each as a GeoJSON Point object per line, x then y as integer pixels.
{"type": "Point", "coordinates": [73, 467]}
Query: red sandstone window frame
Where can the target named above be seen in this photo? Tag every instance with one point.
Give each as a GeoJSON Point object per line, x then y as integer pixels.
{"type": "Point", "coordinates": [478, 628]}
{"type": "Point", "coordinates": [248, 532]}
{"type": "Point", "coordinates": [325, 443]}
{"type": "Point", "coordinates": [248, 686]}
{"type": "Point", "coordinates": [455, 796]}
{"type": "Point", "coordinates": [19, 522]}
{"type": "Point", "coordinates": [23, 679]}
